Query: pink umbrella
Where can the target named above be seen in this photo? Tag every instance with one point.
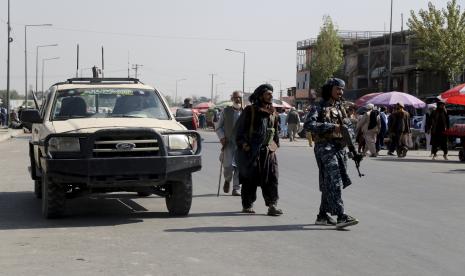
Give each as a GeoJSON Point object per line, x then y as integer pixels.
{"type": "Point", "coordinates": [454, 95]}
{"type": "Point", "coordinates": [362, 101]}
{"type": "Point", "coordinates": [205, 105]}
{"type": "Point", "coordinates": [394, 97]}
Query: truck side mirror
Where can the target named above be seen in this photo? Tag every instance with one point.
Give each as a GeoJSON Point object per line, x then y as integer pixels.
{"type": "Point", "coordinates": [30, 116]}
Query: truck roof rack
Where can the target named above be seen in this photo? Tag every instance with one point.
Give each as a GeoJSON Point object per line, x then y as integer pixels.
{"type": "Point", "coordinates": [103, 80]}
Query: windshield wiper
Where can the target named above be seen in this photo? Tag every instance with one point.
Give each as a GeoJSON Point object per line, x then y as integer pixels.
{"type": "Point", "coordinates": [59, 118]}
{"type": "Point", "coordinates": [125, 116]}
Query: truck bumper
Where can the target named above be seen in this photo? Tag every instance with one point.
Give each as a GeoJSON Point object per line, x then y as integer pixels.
{"type": "Point", "coordinates": [121, 172]}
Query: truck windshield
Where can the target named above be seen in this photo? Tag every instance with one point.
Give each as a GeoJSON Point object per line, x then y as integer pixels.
{"type": "Point", "coordinates": [108, 102]}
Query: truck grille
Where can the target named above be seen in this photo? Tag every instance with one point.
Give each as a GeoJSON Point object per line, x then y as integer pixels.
{"type": "Point", "coordinates": [109, 147]}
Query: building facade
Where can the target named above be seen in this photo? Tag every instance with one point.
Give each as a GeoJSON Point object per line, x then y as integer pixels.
{"type": "Point", "coordinates": [366, 66]}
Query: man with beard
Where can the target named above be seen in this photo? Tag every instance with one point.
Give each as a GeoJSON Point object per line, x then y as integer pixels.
{"type": "Point", "coordinates": [326, 122]}
{"type": "Point", "coordinates": [257, 140]}
{"type": "Point", "coordinates": [226, 132]}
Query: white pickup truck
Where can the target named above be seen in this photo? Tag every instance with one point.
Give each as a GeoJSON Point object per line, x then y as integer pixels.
{"type": "Point", "coordinates": [109, 135]}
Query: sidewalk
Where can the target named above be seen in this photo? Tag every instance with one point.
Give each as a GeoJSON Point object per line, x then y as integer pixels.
{"type": "Point", "coordinates": [7, 133]}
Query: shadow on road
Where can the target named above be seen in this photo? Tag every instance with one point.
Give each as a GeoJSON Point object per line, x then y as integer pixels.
{"type": "Point", "coordinates": [457, 171]}
{"type": "Point", "coordinates": [242, 229]}
{"type": "Point", "coordinates": [21, 210]}
{"type": "Point", "coordinates": [412, 160]}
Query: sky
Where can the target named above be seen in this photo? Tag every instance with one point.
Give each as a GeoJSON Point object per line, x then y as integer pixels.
{"type": "Point", "coordinates": [181, 39]}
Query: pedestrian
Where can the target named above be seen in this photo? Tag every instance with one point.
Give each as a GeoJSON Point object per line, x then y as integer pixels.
{"type": "Point", "coordinates": [3, 116]}
{"type": "Point", "coordinates": [226, 131]}
{"type": "Point", "coordinates": [257, 140]}
{"type": "Point", "coordinates": [383, 129]}
{"type": "Point", "coordinates": [15, 123]}
{"type": "Point", "coordinates": [330, 153]}
{"type": "Point", "coordinates": [426, 125]}
{"type": "Point", "coordinates": [399, 128]}
{"type": "Point", "coordinates": [308, 133]}
{"type": "Point", "coordinates": [202, 120]}
{"type": "Point", "coordinates": [369, 125]}
{"type": "Point", "coordinates": [293, 123]}
{"type": "Point", "coordinates": [359, 135]}
{"type": "Point", "coordinates": [439, 123]}
{"type": "Point", "coordinates": [187, 103]}
{"type": "Point", "coordinates": [282, 123]}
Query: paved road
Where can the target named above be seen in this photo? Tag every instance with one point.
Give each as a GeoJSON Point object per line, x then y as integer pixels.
{"type": "Point", "coordinates": [411, 212]}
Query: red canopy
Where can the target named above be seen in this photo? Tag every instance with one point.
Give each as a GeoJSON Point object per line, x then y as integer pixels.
{"type": "Point", "coordinates": [205, 105]}
{"type": "Point", "coordinates": [454, 95]}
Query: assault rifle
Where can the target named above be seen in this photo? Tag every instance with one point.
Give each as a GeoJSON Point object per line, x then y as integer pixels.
{"type": "Point", "coordinates": [353, 154]}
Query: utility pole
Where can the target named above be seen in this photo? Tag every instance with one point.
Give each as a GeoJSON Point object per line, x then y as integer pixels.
{"type": "Point", "coordinates": [103, 64]}
{"type": "Point", "coordinates": [136, 68]}
{"type": "Point", "coordinates": [10, 39]}
{"type": "Point", "coordinates": [77, 61]}
{"type": "Point", "coordinates": [128, 66]}
{"type": "Point", "coordinates": [368, 66]}
{"type": "Point", "coordinates": [390, 53]}
{"type": "Point", "coordinates": [212, 87]}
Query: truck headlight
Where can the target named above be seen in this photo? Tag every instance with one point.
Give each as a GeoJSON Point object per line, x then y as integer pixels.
{"type": "Point", "coordinates": [178, 142]}
{"type": "Point", "coordinates": [64, 144]}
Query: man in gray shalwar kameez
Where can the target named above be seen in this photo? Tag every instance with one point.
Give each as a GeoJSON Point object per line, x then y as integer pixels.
{"type": "Point", "coordinates": [226, 132]}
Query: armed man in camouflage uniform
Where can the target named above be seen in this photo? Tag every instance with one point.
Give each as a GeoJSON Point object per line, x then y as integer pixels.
{"type": "Point", "coordinates": [326, 121]}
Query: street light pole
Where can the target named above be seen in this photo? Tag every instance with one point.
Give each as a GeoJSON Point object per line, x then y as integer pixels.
{"type": "Point", "coordinates": [37, 59]}
{"type": "Point", "coordinates": [10, 39]}
{"type": "Point", "coordinates": [43, 62]}
{"type": "Point", "coordinates": [390, 53]}
{"type": "Point", "coordinates": [176, 92]}
{"type": "Point", "coordinates": [243, 69]}
{"type": "Point", "coordinates": [211, 98]}
{"type": "Point", "coordinates": [25, 55]}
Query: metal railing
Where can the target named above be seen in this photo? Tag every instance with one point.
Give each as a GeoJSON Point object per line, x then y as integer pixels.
{"type": "Point", "coordinates": [344, 35]}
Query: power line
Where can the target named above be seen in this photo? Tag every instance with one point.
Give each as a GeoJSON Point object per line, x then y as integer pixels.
{"type": "Point", "coordinates": [168, 37]}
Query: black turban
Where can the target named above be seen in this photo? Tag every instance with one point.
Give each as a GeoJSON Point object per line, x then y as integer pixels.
{"type": "Point", "coordinates": [260, 91]}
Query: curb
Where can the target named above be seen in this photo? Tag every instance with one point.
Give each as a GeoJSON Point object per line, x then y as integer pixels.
{"type": "Point", "coordinates": [4, 136]}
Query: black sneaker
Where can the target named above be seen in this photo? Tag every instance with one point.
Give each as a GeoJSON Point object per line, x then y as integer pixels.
{"type": "Point", "coordinates": [274, 211]}
{"type": "Point", "coordinates": [345, 220]}
{"type": "Point", "coordinates": [324, 220]}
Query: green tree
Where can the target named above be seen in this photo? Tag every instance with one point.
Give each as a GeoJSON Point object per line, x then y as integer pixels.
{"type": "Point", "coordinates": [441, 38]}
{"type": "Point", "coordinates": [13, 95]}
{"type": "Point", "coordinates": [327, 54]}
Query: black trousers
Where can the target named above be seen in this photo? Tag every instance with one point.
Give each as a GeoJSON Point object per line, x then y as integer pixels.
{"type": "Point", "coordinates": [439, 141]}
{"type": "Point", "coordinates": [266, 176]}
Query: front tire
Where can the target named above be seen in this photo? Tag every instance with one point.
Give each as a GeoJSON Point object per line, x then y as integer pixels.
{"type": "Point", "coordinates": [179, 197]}
{"type": "Point", "coordinates": [53, 198]}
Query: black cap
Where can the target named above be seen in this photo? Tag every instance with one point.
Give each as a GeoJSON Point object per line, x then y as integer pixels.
{"type": "Point", "coordinates": [336, 82]}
